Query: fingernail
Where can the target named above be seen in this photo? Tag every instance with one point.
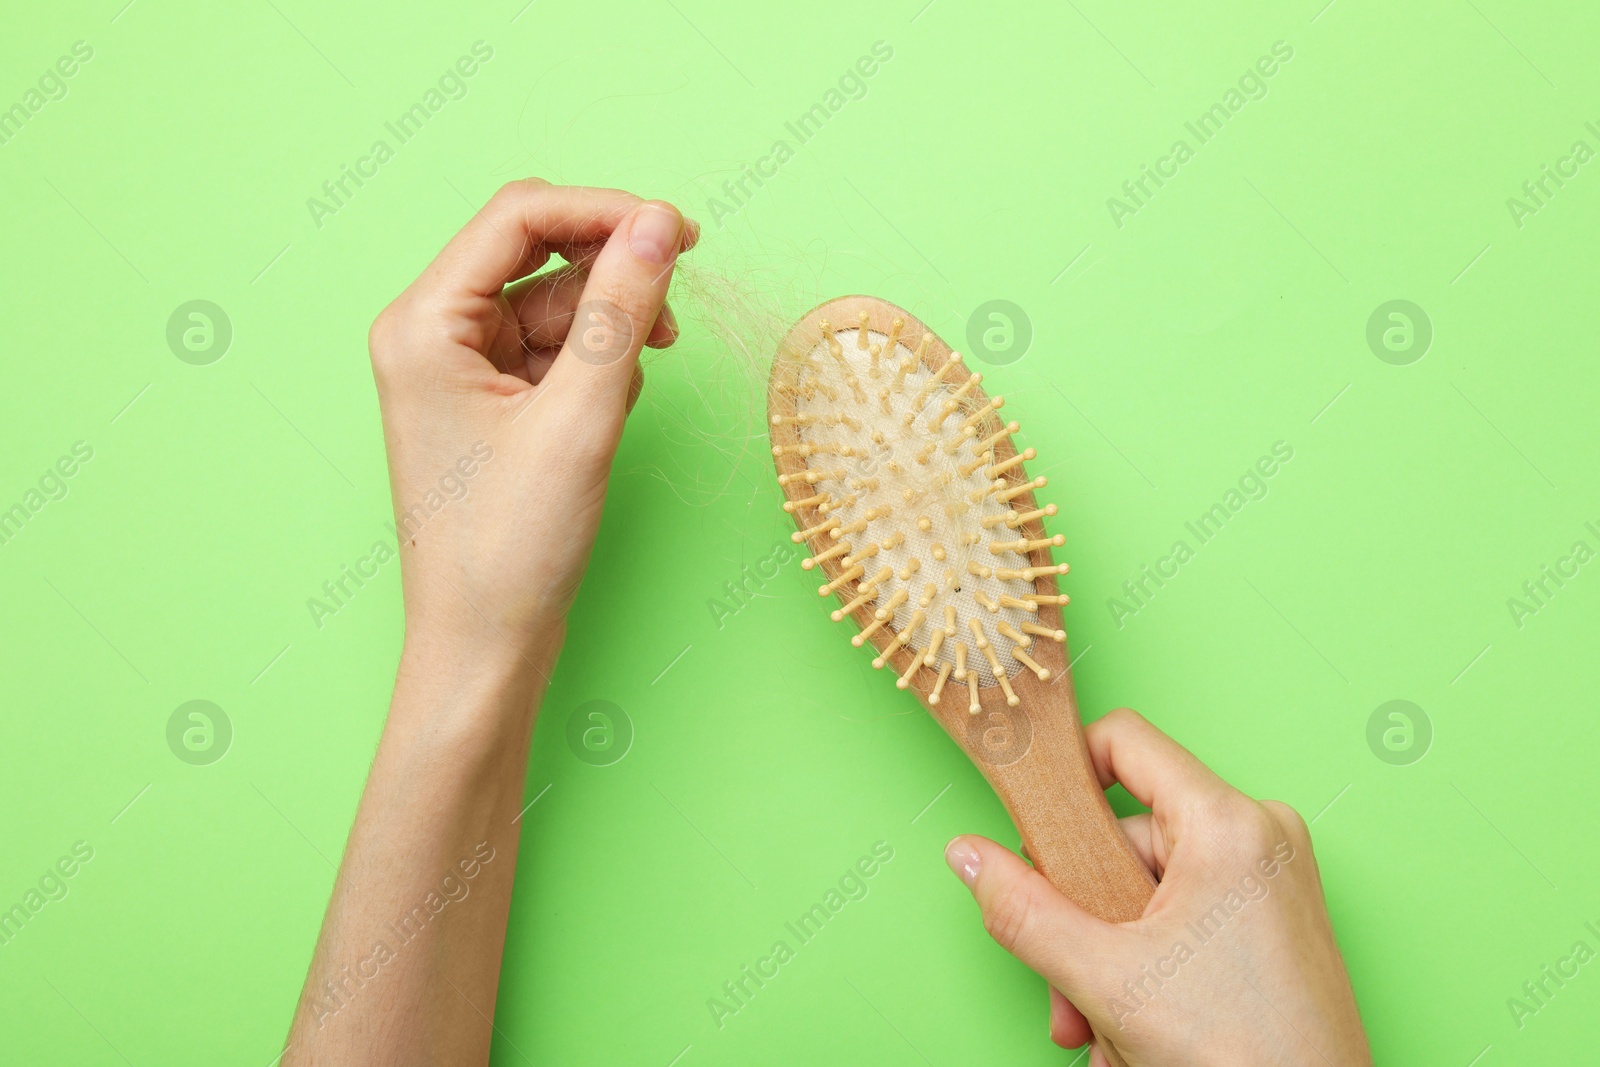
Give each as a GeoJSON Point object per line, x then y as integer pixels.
{"type": "Point", "coordinates": [964, 860]}
{"type": "Point", "coordinates": [654, 236]}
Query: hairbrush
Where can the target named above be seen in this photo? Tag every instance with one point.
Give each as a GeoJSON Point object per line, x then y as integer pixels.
{"type": "Point", "coordinates": [910, 492]}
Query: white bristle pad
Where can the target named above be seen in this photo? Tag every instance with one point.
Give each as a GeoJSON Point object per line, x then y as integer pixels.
{"type": "Point", "coordinates": [949, 508]}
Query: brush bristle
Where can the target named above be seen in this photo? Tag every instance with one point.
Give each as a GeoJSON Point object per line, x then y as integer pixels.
{"type": "Point", "coordinates": [913, 507]}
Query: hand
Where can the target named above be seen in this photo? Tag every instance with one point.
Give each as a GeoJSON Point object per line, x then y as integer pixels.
{"type": "Point", "coordinates": [502, 408]}
{"type": "Point", "coordinates": [1234, 960]}
{"type": "Point", "coordinates": [503, 403]}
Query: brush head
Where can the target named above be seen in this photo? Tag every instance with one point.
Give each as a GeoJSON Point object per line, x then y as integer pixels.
{"type": "Point", "coordinates": [906, 485]}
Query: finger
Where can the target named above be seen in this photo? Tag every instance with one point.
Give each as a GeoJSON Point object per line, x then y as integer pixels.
{"type": "Point", "coordinates": [537, 363]}
{"type": "Point", "coordinates": [542, 309]}
{"type": "Point", "coordinates": [579, 255]}
{"type": "Point", "coordinates": [1140, 832]}
{"type": "Point", "coordinates": [1026, 915]}
{"type": "Point", "coordinates": [635, 387]}
{"type": "Point", "coordinates": [583, 254]}
{"type": "Point", "coordinates": [511, 236]}
{"type": "Point", "coordinates": [624, 295]}
{"type": "Point", "coordinates": [665, 330]}
{"type": "Point", "coordinates": [543, 305]}
{"type": "Point", "coordinates": [1068, 1027]}
{"type": "Point", "coordinates": [1158, 771]}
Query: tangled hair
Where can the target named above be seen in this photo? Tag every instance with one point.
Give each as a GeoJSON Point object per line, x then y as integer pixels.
{"type": "Point", "coordinates": [709, 389]}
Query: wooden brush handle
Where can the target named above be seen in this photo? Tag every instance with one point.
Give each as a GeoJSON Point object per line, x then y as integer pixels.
{"type": "Point", "coordinates": [1034, 757]}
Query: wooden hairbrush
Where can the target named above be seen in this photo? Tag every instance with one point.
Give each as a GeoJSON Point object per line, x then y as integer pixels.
{"type": "Point", "coordinates": [907, 487]}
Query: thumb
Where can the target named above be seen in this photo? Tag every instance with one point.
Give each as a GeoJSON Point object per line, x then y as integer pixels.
{"type": "Point", "coordinates": [1029, 917]}
{"type": "Point", "coordinates": [617, 311]}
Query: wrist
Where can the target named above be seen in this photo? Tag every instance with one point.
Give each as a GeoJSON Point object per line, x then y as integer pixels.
{"type": "Point", "coordinates": [455, 636]}
{"type": "Point", "coordinates": [477, 674]}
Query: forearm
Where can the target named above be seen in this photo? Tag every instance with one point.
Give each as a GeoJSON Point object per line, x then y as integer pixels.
{"type": "Point", "coordinates": [408, 963]}
{"type": "Point", "coordinates": [499, 516]}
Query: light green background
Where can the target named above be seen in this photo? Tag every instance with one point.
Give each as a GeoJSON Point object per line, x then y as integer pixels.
{"type": "Point", "coordinates": [1169, 353]}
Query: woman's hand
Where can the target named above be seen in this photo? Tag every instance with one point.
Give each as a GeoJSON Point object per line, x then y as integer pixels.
{"type": "Point", "coordinates": [1234, 960]}
{"type": "Point", "coordinates": [503, 403]}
